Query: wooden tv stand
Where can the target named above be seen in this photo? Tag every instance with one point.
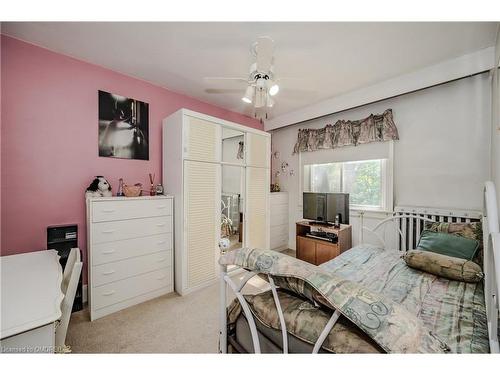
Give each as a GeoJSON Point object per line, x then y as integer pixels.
{"type": "Point", "coordinates": [317, 251]}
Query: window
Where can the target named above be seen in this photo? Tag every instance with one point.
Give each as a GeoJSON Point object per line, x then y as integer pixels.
{"type": "Point", "coordinates": [363, 180]}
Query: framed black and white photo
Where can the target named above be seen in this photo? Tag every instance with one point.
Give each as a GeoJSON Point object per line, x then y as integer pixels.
{"type": "Point", "coordinates": [123, 127]}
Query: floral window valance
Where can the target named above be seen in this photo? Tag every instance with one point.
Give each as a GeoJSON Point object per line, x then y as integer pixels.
{"type": "Point", "coordinates": [374, 128]}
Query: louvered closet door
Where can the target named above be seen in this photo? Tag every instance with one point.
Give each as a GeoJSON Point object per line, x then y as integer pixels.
{"type": "Point", "coordinates": [202, 140]}
{"type": "Point", "coordinates": [258, 150]}
{"type": "Point", "coordinates": [257, 214]}
{"type": "Point", "coordinates": [201, 203]}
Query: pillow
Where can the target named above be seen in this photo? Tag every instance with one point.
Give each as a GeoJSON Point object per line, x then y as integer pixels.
{"type": "Point", "coordinates": [448, 244]}
{"type": "Point", "coordinates": [445, 266]}
{"type": "Point", "coordinates": [469, 230]}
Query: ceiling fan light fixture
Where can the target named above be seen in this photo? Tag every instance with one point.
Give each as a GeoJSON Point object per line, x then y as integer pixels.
{"type": "Point", "coordinates": [260, 99]}
{"type": "Point", "coordinates": [274, 89]}
{"type": "Point", "coordinates": [248, 95]}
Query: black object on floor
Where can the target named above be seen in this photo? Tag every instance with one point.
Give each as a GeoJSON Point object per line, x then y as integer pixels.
{"type": "Point", "coordinates": [63, 238]}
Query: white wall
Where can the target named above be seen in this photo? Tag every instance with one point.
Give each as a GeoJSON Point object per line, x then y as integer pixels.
{"type": "Point", "coordinates": [495, 126]}
{"type": "Point", "coordinates": [442, 158]}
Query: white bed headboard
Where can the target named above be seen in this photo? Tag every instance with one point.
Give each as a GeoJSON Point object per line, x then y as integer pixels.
{"type": "Point", "coordinates": [412, 221]}
{"type": "Point", "coordinates": [409, 221]}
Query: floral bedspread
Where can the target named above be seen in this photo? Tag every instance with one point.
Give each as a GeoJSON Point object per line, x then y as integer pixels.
{"type": "Point", "coordinates": [455, 311]}
{"type": "Point", "coordinates": [385, 321]}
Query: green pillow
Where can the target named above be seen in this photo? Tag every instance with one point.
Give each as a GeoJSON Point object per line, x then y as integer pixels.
{"type": "Point", "coordinates": [448, 244]}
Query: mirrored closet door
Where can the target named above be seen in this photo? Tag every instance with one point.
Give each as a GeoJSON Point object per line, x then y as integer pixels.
{"type": "Point", "coordinates": [232, 189]}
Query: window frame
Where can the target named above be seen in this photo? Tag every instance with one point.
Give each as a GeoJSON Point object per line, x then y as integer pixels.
{"type": "Point", "coordinates": [385, 177]}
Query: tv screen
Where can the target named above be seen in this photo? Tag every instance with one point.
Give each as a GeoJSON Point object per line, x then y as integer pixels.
{"type": "Point", "coordinates": [314, 206]}
{"type": "Point", "coordinates": [325, 206]}
{"type": "Point", "coordinates": [337, 203]}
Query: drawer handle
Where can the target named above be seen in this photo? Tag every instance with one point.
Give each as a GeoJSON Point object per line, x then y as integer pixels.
{"type": "Point", "coordinates": [161, 277]}
{"type": "Point", "coordinates": [109, 272]}
{"type": "Point", "coordinates": [108, 252]}
{"type": "Point", "coordinates": [108, 211]}
{"type": "Point", "coordinates": [108, 231]}
{"type": "Point", "coordinates": [161, 207]}
{"type": "Point", "coordinates": [160, 224]}
{"type": "Point", "coordinates": [161, 259]}
{"type": "Point", "coordinates": [109, 293]}
{"type": "Point", "coordinates": [161, 242]}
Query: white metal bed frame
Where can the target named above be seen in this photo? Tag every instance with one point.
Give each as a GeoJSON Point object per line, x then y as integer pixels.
{"type": "Point", "coordinates": [491, 245]}
{"type": "Point", "coordinates": [491, 267]}
{"type": "Point", "coordinates": [396, 221]}
{"type": "Point", "coordinates": [409, 222]}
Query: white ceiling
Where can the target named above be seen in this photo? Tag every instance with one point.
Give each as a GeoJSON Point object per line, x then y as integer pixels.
{"type": "Point", "coordinates": [329, 59]}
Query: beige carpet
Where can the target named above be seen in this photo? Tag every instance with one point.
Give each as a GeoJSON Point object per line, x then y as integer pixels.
{"type": "Point", "coordinates": [290, 252]}
{"type": "Point", "coordinates": [168, 324]}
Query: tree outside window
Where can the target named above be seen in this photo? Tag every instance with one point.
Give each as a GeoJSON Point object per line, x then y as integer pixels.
{"type": "Point", "coordinates": [361, 179]}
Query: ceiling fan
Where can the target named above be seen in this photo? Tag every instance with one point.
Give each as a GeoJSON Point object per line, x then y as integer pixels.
{"type": "Point", "coordinates": [262, 85]}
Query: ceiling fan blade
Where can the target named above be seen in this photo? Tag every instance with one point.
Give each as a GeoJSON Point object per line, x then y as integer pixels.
{"type": "Point", "coordinates": [264, 50]}
{"type": "Point", "coordinates": [223, 91]}
{"type": "Point", "coordinates": [209, 79]}
{"type": "Point", "coordinates": [225, 82]}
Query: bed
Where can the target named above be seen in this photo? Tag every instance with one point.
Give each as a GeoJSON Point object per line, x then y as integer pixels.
{"type": "Point", "coordinates": [298, 314]}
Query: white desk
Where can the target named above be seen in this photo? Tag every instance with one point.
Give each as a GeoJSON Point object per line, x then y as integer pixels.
{"type": "Point", "coordinates": [30, 301]}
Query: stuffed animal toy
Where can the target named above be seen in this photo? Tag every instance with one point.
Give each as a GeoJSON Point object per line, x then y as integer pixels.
{"type": "Point", "coordinates": [100, 187]}
{"type": "Point", "coordinates": [224, 244]}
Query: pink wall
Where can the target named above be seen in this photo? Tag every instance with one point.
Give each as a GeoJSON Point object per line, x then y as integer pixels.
{"type": "Point", "coordinates": [49, 139]}
{"type": "Point", "coordinates": [1, 40]}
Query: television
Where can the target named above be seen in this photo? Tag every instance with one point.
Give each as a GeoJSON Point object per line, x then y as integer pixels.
{"type": "Point", "coordinates": [337, 204]}
{"type": "Point", "coordinates": [314, 206]}
{"type": "Point", "coordinates": [323, 207]}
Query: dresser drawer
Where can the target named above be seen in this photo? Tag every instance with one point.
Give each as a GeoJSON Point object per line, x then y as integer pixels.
{"type": "Point", "coordinates": [109, 294]}
{"type": "Point", "coordinates": [278, 217]}
{"type": "Point", "coordinates": [114, 251]}
{"type": "Point", "coordinates": [130, 209]}
{"type": "Point", "coordinates": [121, 230]}
{"type": "Point", "coordinates": [110, 272]}
{"type": "Point", "coordinates": [279, 236]}
{"type": "Point", "coordinates": [279, 240]}
{"type": "Point", "coordinates": [279, 230]}
{"type": "Point", "coordinates": [278, 198]}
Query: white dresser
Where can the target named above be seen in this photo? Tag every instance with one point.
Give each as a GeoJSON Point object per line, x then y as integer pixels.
{"type": "Point", "coordinates": [279, 220]}
{"type": "Point", "coordinates": [130, 251]}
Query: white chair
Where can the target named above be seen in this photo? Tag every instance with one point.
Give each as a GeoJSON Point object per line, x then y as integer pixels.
{"type": "Point", "coordinates": [69, 284]}
{"type": "Point", "coordinates": [74, 256]}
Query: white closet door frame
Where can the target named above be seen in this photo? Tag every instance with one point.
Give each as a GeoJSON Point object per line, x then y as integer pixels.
{"type": "Point", "coordinates": [218, 213]}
